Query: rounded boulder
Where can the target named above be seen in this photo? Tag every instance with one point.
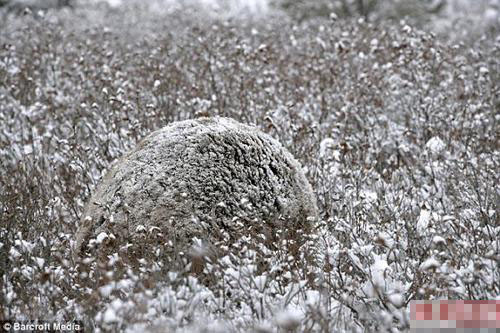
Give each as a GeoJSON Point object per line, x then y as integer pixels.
{"type": "Point", "coordinates": [209, 178]}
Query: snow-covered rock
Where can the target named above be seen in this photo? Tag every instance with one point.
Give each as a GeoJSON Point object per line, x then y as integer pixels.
{"type": "Point", "coordinates": [200, 179]}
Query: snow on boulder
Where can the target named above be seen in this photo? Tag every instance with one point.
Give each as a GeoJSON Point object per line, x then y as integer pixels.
{"type": "Point", "coordinates": [200, 179]}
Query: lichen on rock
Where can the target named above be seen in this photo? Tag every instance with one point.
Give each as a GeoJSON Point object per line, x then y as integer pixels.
{"type": "Point", "coordinates": [202, 178]}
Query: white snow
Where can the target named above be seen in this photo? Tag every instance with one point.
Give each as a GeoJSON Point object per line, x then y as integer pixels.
{"type": "Point", "coordinates": [260, 282]}
{"type": "Point", "coordinates": [110, 316]}
{"type": "Point", "coordinates": [435, 145]}
{"type": "Point", "coordinates": [140, 228]}
{"type": "Point", "coordinates": [13, 253]}
{"type": "Point", "coordinates": [40, 262]}
{"type": "Point", "coordinates": [369, 196]}
{"type": "Point", "coordinates": [438, 240]}
{"type": "Point", "coordinates": [106, 290]}
{"type": "Point", "coordinates": [429, 264]}
{"type": "Point", "coordinates": [423, 221]}
{"type": "Point", "coordinates": [385, 239]}
{"type": "Point", "coordinates": [325, 147]}
{"type": "Point", "coordinates": [101, 237]}
{"type": "Point", "coordinates": [289, 319]}
{"type": "Point", "coordinates": [379, 270]}
{"type": "Point", "coordinates": [312, 297]}
{"type": "Point", "coordinates": [396, 299]}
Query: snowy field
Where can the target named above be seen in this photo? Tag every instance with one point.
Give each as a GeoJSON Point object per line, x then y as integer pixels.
{"type": "Point", "coordinates": [395, 122]}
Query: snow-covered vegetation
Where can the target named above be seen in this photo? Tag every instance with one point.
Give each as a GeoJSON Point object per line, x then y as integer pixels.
{"type": "Point", "coordinates": [396, 128]}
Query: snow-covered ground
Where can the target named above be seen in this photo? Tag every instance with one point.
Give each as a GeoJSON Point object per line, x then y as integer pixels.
{"type": "Point", "coordinates": [232, 6]}
{"type": "Point", "coordinates": [489, 8]}
{"type": "Point", "coordinates": [396, 129]}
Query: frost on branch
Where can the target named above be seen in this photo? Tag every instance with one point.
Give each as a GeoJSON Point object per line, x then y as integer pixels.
{"type": "Point", "coordinates": [210, 178]}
